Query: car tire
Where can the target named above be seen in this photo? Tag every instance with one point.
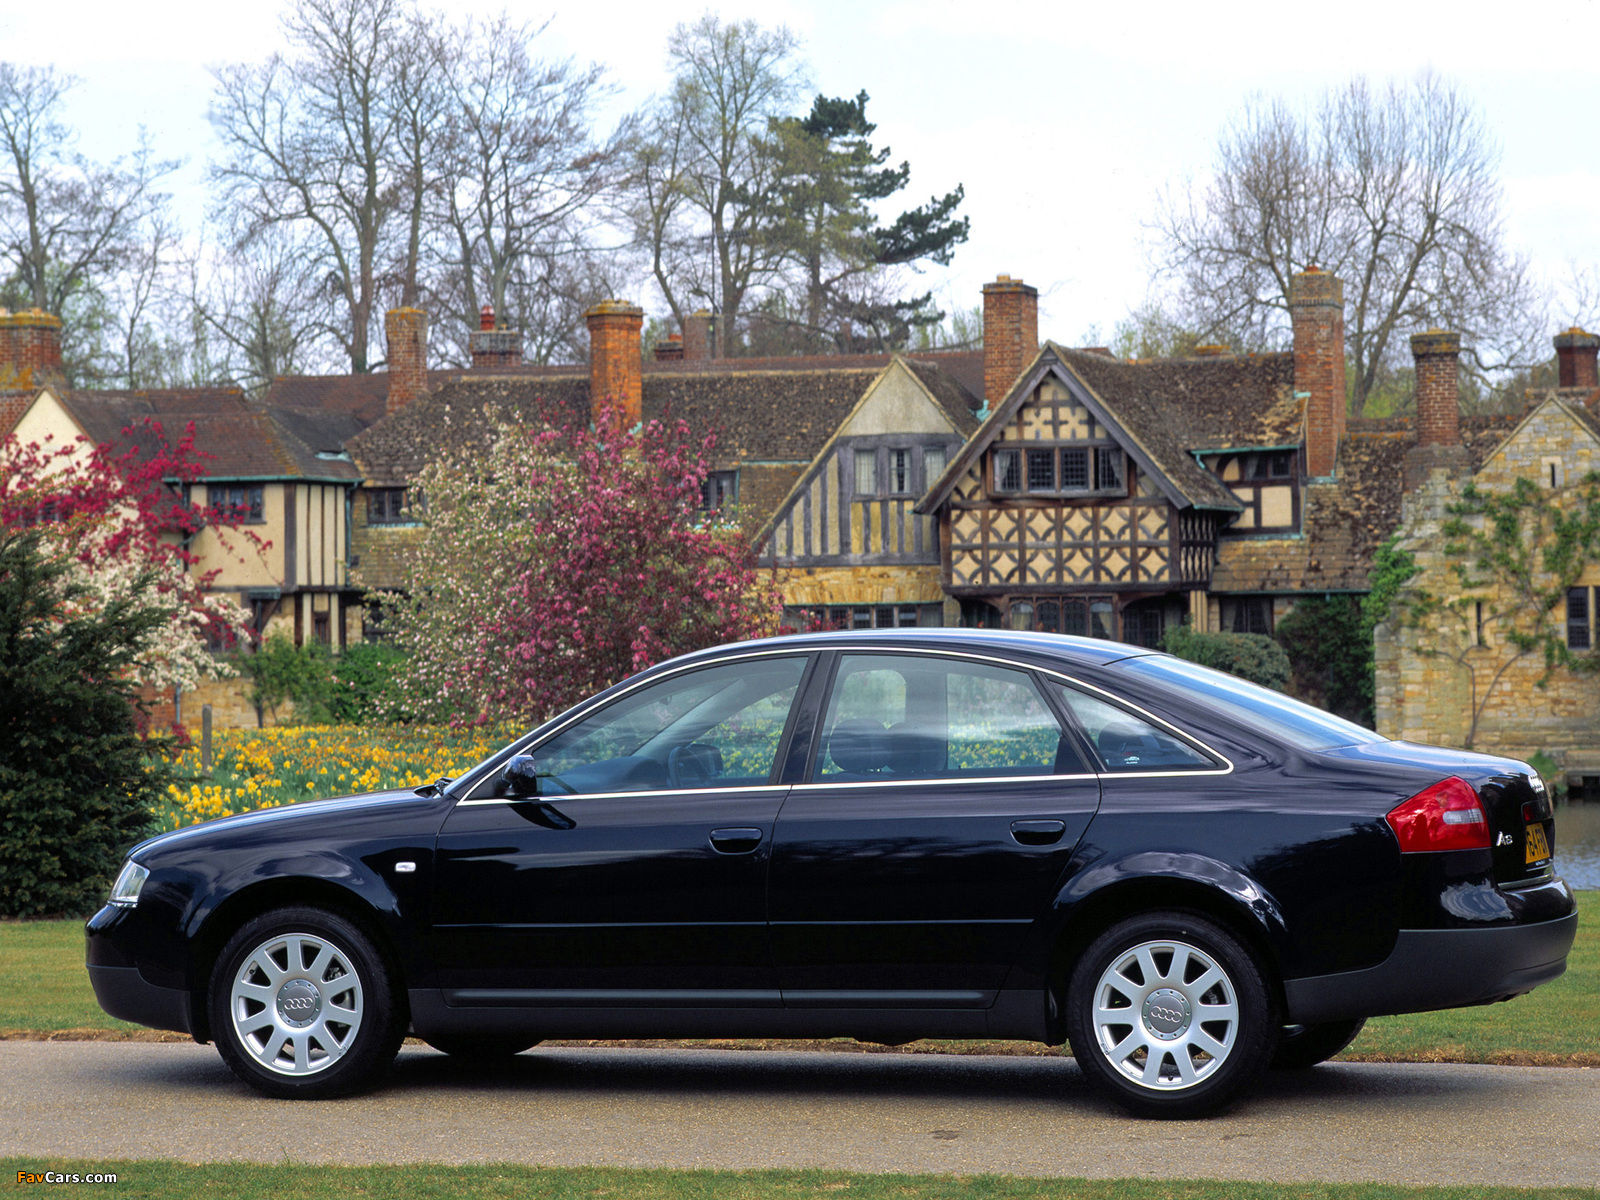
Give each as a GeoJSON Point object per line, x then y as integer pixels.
{"type": "Point", "coordinates": [483, 1047]}
{"type": "Point", "coordinates": [1170, 1015]}
{"type": "Point", "coordinates": [1301, 1047]}
{"type": "Point", "coordinates": [303, 1006]}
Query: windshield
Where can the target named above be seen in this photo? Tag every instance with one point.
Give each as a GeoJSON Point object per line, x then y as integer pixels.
{"type": "Point", "coordinates": [1255, 707]}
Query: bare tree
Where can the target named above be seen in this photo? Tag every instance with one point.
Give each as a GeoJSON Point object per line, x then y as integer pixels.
{"type": "Point", "coordinates": [1396, 191]}
{"type": "Point", "coordinates": [702, 170]}
{"type": "Point", "coordinates": [521, 168]}
{"type": "Point", "coordinates": [312, 144]}
{"type": "Point", "coordinates": [71, 228]}
{"type": "Point", "coordinates": [258, 312]}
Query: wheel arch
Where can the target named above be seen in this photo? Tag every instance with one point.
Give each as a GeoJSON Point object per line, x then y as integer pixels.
{"type": "Point", "coordinates": [248, 903]}
{"type": "Point", "coordinates": [1176, 883]}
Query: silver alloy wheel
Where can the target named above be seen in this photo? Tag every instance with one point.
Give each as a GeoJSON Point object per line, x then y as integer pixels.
{"type": "Point", "coordinates": [296, 1003]}
{"type": "Point", "coordinates": [1166, 1015]}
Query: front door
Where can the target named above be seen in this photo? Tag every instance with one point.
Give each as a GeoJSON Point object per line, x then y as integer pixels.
{"type": "Point", "coordinates": [638, 875]}
{"type": "Point", "coordinates": [944, 801]}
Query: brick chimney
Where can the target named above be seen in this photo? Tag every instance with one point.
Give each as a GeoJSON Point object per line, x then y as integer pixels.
{"type": "Point", "coordinates": [406, 330]}
{"type": "Point", "coordinates": [30, 358]}
{"type": "Point", "coordinates": [1316, 312]}
{"type": "Point", "coordinates": [493, 348]}
{"type": "Point", "coordinates": [697, 344]}
{"type": "Point", "coordinates": [1010, 334]}
{"type": "Point", "coordinates": [1575, 359]}
{"type": "Point", "coordinates": [1437, 353]}
{"type": "Point", "coordinates": [615, 366]}
{"type": "Point", "coordinates": [670, 350]}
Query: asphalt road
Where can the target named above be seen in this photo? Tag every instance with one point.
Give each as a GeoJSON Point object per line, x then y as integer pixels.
{"type": "Point", "coordinates": [1407, 1123]}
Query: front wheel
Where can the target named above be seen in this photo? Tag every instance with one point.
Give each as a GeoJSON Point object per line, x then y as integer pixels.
{"type": "Point", "coordinates": [302, 1006]}
{"type": "Point", "coordinates": [1169, 1015]}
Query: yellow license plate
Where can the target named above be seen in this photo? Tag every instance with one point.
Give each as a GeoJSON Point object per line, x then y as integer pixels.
{"type": "Point", "coordinates": [1538, 846]}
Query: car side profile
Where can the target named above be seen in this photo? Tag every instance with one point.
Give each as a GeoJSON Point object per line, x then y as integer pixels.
{"type": "Point", "coordinates": [879, 835]}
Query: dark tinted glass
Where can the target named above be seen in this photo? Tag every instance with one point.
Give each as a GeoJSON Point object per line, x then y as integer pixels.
{"type": "Point", "coordinates": [1253, 707]}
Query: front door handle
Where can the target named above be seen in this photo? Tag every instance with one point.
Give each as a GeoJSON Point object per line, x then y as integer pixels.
{"type": "Point", "coordinates": [735, 841]}
{"type": "Point", "coordinates": [1038, 833]}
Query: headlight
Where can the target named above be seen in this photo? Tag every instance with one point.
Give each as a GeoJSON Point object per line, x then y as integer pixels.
{"type": "Point", "coordinates": [125, 890]}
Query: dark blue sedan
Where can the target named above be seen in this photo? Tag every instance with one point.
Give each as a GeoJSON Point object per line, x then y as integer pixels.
{"type": "Point", "coordinates": [885, 836]}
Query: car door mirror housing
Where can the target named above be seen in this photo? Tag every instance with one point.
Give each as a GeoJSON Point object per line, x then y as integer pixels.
{"type": "Point", "coordinates": [520, 777]}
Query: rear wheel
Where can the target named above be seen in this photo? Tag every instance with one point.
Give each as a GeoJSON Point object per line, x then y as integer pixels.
{"type": "Point", "coordinates": [1303, 1046]}
{"type": "Point", "coordinates": [302, 1006]}
{"type": "Point", "coordinates": [1169, 1015]}
{"type": "Point", "coordinates": [481, 1046]}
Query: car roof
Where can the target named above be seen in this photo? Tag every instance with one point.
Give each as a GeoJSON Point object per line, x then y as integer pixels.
{"type": "Point", "coordinates": [1064, 649]}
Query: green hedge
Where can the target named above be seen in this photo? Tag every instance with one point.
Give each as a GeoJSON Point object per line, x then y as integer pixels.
{"type": "Point", "coordinates": [1251, 656]}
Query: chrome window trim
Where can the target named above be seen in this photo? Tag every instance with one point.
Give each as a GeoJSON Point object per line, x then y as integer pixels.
{"type": "Point", "coordinates": [1110, 697]}
{"type": "Point", "coordinates": [589, 707]}
{"type": "Point", "coordinates": [565, 797]}
{"type": "Point", "coordinates": [869, 648]}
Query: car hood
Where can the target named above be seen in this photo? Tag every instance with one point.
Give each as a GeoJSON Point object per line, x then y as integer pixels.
{"type": "Point", "coordinates": [281, 819]}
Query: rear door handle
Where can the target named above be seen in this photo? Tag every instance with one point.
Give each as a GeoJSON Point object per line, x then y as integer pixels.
{"type": "Point", "coordinates": [735, 841]}
{"type": "Point", "coordinates": [1038, 833]}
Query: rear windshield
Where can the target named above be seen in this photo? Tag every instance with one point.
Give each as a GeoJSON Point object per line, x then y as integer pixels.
{"type": "Point", "coordinates": [1254, 707]}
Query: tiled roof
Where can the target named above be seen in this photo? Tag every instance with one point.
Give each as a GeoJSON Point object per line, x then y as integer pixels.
{"type": "Point", "coordinates": [233, 437]}
{"type": "Point", "coordinates": [1345, 520]}
{"type": "Point", "coordinates": [765, 412]}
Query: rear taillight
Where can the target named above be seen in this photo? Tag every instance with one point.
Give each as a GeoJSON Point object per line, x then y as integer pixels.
{"type": "Point", "coordinates": [1446, 816]}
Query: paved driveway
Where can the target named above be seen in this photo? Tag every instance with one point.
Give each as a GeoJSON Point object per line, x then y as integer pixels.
{"type": "Point", "coordinates": [862, 1112]}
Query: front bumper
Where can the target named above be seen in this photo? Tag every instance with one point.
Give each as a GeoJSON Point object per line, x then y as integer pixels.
{"type": "Point", "coordinates": [128, 996]}
{"type": "Point", "coordinates": [1438, 968]}
{"type": "Point", "coordinates": [120, 971]}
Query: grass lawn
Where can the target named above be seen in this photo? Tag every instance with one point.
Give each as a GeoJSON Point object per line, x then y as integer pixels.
{"type": "Point", "coordinates": [44, 989]}
{"type": "Point", "coordinates": [178, 1181]}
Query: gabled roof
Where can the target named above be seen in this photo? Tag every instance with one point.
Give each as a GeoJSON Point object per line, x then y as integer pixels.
{"type": "Point", "coordinates": [942, 391]}
{"type": "Point", "coordinates": [1159, 411]}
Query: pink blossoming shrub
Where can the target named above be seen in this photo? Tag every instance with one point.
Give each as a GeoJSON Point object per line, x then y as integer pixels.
{"type": "Point", "coordinates": [564, 561]}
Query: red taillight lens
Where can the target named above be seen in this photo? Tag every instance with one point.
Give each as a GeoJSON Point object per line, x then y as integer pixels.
{"type": "Point", "coordinates": [1446, 816]}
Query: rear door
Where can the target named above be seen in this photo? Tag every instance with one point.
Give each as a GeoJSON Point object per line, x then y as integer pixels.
{"type": "Point", "coordinates": [943, 802]}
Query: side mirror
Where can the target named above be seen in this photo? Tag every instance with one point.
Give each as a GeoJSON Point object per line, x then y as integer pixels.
{"type": "Point", "coordinates": [519, 777]}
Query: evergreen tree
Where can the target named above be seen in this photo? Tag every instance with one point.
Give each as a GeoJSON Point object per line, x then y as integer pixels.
{"type": "Point", "coordinates": [77, 779]}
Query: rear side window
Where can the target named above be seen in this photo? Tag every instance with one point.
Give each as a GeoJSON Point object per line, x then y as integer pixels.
{"type": "Point", "coordinates": [893, 717]}
{"type": "Point", "coordinates": [1252, 706]}
{"type": "Point", "coordinates": [1128, 743]}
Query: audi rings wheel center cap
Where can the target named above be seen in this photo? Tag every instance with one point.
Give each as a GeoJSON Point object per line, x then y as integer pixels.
{"type": "Point", "coordinates": [1166, 1013]}
{"type": "Point", "coordinates": [299, 1002]}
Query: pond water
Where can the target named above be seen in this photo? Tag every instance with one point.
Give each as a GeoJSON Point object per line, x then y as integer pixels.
{"type": "Point", "coordinates": [1578, 843]}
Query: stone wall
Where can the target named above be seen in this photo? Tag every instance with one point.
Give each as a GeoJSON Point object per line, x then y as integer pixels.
{"type": "Point", "coordinates": [1429, 697]}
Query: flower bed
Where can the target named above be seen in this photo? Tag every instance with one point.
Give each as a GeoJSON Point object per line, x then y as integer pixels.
{"type": "Point", "coordinates": [263, 768]}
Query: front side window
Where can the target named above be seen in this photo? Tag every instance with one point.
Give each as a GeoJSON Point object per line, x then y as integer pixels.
{"type": "Point", "coordinates": [893, 717]}
{"type": "Point", "coordinates": [239, 501]}
{"type": "Point", "coordinates": [719, 727]}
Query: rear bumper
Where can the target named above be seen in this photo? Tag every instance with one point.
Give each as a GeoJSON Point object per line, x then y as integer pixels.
{"type": "Point", "coordinates": [1438, 968]}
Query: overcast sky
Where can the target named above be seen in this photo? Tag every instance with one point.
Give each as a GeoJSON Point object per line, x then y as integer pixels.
{"type": "Point", "coordinates": [1063, 121]}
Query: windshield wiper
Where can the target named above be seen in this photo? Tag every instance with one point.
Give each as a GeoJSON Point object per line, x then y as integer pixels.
{"type": "Point", "coordinates": [436, 787]}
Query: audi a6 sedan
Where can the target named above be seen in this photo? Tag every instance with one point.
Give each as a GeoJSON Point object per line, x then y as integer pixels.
{"type": "Point", "coordinates": [878, 835]}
